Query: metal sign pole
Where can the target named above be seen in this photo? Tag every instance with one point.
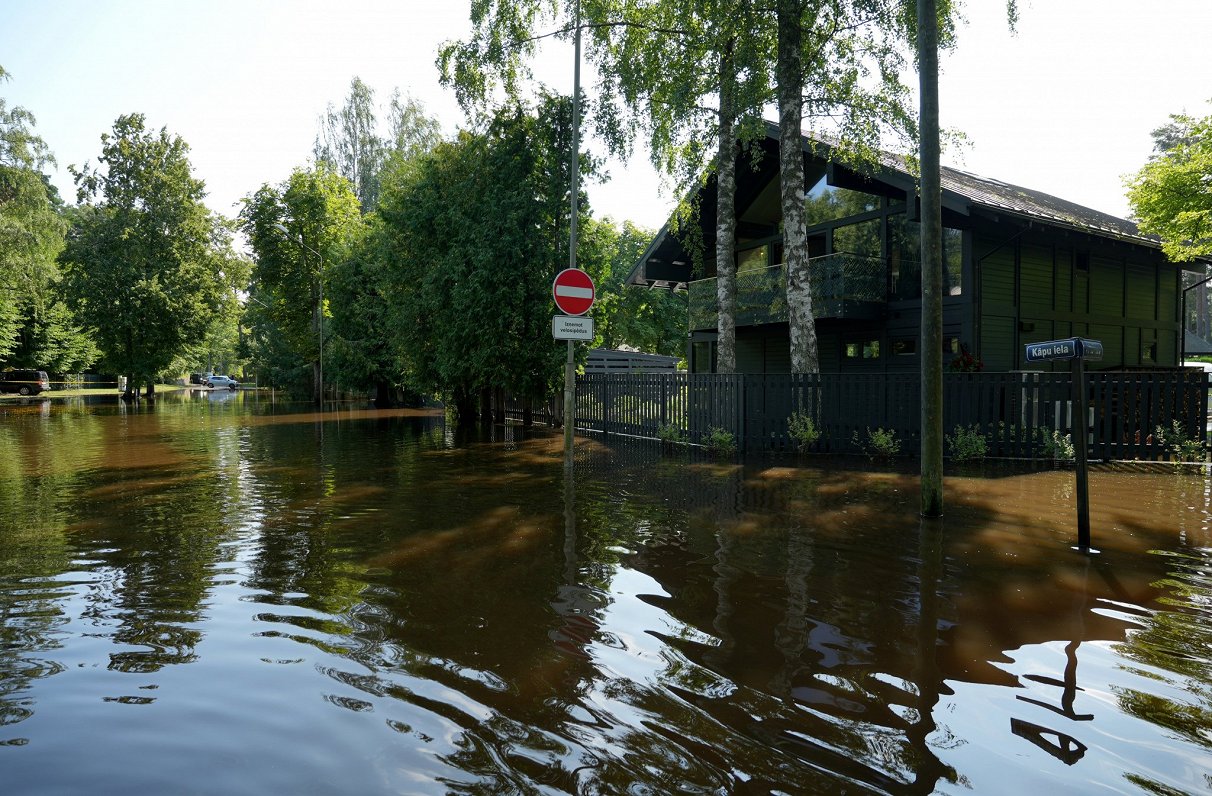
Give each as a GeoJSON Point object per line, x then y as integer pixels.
{"type": "Point", "coordinates": [1081, 434]}
{"type": "Point", "coordinates": [570, 383]}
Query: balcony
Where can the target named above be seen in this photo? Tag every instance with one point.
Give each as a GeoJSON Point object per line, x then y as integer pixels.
{"type": "Point", "coordinates": [843, 286]}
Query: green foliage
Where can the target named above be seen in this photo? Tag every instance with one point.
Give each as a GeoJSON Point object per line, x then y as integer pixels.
{"type": "Point", "coordinates": [320, 212]}
{"type": "Point", "coordinates": [653, 321]}
{"type": "Point", "coordinates": [878, 444]}
{"type": "Point", "coordinates": [36, 328]}
{"type": "Point", "coordinates": [350, 143]}
{"type": "Point", "coordinates": [719, 442]}
{"type": "Point", "coordinates": [1170, 196]}
{"type": "Point", "coordinates": [143, 260]}
{"type": "Point", "coordinates": [472, 237]}
{"type": "Point", "coordinates": [672, 433]}
{"type": "Point", "coordinates": [803, 430]}
{"type": "Point", "coordinates": [1182, 446]}
{"type": "Point", "coordinates": [967, 444]}
{"type": "Point", "coordinates": [1055, 445]}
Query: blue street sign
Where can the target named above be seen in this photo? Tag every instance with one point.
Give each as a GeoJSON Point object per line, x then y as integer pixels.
{"type": "Point", "coordinates": [1072, 348]}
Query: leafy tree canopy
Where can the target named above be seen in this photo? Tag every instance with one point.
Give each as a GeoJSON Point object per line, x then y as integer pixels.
{"type": "Point", "coordinates": [320, 214]}
{"type": "Point", "coordinates": [1171, 195]}
{"type": "Point", "coordinates": [31, 236]}
{"type": "Point", "coordinates": [143, 259]}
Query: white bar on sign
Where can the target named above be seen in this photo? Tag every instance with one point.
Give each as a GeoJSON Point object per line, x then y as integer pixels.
{"type": "Point", "coordinates": [568, 327]}
{"type": "Point", "coordinates": [573, 292]}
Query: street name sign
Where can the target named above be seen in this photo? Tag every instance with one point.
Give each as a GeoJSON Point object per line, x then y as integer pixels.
{"type": "Point", "coordinates": [573, 291]}
{"type": "Point", "coordinates": [568, 327]}
{"type": "Point", "coordinates": [1071, 348]}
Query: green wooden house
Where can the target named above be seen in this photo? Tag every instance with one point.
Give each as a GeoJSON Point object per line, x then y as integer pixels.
{"type": "Point", "coordinates": [1020, 266]}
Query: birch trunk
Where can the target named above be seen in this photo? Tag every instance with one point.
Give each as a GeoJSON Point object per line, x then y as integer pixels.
{"type": "Point", "coordinates": [804, 356]}
{"type": "Point", "coordinates": [932, 264]}
{"type": "Point", "coordinates": [725, 216]}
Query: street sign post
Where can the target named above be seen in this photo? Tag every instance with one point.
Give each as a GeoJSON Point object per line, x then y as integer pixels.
{"type": "Point", "coordinates": [573, 291]}
{"type": "Point", "coordinates": [1077, 350]}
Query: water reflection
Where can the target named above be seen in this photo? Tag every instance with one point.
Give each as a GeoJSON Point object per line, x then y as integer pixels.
{"type": "Point", "coordinates": [370, 602]}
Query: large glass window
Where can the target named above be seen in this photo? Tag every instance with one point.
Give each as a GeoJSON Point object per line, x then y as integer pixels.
{"type": "Point", "coordinates": [752, 259]}
{"type": "Point", "coordinates": [829, 203]}
{"type": "Point", "coordinates": [862, 239]}
{"type": "Point", "coordinates": [904, 255]}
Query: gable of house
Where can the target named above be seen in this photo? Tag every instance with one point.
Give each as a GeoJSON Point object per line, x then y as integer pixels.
{"type": "Point", "coordinates": [1020, 267]}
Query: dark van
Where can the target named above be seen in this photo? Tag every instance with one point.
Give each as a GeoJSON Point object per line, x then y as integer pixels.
{"type": "Point", "coordinates": [24, 382]}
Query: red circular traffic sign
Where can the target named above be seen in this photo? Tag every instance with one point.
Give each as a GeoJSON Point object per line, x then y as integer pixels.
{"type": "Point", "coordinates": [573, 291]}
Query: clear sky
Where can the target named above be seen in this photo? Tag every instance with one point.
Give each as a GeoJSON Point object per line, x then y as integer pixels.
{"type": "Point", "coordinates": [1065, 106]}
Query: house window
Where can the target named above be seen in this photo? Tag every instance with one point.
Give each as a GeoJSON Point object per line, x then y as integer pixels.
{"type": "Point", "coordinates": [862, 239]}
{"type": "Point", "coordinates": [755, 259]}
{"type": "Point", "coordinates": [863, 349]}
{"type": "Point", "coordinates": [905, 253]}
{"type": "Point", "coordinates": [826, 202]}
{"type": "Point", "coordinates": [906, 346]}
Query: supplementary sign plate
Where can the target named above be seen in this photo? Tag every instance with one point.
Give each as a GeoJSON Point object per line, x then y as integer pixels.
{"type": "Point", "coordinates": [568, 327]}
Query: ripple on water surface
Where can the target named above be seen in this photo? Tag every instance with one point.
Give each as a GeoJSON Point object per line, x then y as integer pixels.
{"type": "Point", "coordinates": [258, 600]}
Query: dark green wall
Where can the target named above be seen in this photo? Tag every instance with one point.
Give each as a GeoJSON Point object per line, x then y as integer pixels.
{"type": "Point", "coordinates": [1037, 284]}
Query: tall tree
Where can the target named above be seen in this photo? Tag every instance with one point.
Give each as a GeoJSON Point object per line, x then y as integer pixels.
{"type": "Point", "coordinates": [32, 231]}
{"type": "Point", "coordinates": [840, 61]}
{"type": "Point", "coordinates": [140, 265]}
{"type": "Point", "coordinates": [1170, 196]}
{"type": "Point", "coordinates": [320, 213]}
{"type": "Point", "coordinates": [350, 144]}
{"type": "Point", "coordinates": [932, 264]}
{"type": "Point", "coordinates": [471, 258]}
{"type": "Point", "coordinates": [350, 140]}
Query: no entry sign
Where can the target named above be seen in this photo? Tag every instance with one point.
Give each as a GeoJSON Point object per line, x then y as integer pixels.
{"type": "Point", "coordinates": [573, 291]}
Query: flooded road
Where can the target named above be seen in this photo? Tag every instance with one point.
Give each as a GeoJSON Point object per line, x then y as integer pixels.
{"type": "Point", "coordinates": [228, 597]}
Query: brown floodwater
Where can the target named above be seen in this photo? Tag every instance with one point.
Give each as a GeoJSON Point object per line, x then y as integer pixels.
{"type": "Point", "coordinates": [232, 596]}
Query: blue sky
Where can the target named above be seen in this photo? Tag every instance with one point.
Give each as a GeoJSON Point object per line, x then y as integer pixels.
{"type": "Point", "coordinates": [1065, 106]}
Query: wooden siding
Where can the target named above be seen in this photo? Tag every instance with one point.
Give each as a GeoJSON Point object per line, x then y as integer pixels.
{"type": "Point", "coordinates": [1032, 289]}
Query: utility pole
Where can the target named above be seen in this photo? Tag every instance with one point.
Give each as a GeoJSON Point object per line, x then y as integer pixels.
{"type": "Point", "coordinates": [570, 384]}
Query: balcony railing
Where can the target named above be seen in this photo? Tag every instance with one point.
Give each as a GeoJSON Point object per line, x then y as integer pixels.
{"type": "Point", "coordinates": [841, 283]}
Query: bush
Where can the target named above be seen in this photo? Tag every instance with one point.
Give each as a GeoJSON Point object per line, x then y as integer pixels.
{"type": "Point", "coordinates": [1180, 444]}
{"type": "Point", "coordinates": [671, 433]}
{"type": "Point", "coordinates": [719, 442]}
{"type": "Point", "coordinates": [803, 430]}
{"type": "Point", "coordinates": [967, 444]}
{"type": "Point", "coordinates": [1057, 446]}
{"type": "Point", "coordinates": [880, 443]}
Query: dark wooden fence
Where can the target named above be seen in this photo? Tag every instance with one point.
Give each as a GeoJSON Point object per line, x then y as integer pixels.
{"type": "Point", "coordinates": [1019, 414]}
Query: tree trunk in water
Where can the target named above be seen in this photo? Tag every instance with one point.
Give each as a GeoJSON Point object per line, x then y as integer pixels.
{"type": "Point", "coordinates": [465, 407]}
{"type": "Point", "coordinates": [527, 413]}
{"type": "Point", "coordinates": [316, 387]}
{"type": "Point", "coordinates": [486, 407]}
{"type": "Point", "coordinates": [131, 392]}
{"type": "Point", "coordinates": [725, 216]}
{"type": "Point", "coordinates": [804, 356]}
{"type": "Point", "coordinates": [382, 395]}
{"type": "Point", "coordinates": [498, 401]}
{"type": "Point", "coordinates": [932, 264]}
{"type": "Point", "coordinates": [150, 392]}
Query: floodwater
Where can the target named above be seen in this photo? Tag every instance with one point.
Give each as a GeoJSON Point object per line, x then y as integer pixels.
{"type": "Point", "coordinates": [227, 597]}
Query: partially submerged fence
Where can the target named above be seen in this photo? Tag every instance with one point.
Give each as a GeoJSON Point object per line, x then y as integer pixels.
{"type": "Point", "coordinates": [1020, 414]}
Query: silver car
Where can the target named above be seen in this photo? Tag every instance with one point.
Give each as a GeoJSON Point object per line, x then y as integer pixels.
{"type": "Point", "coordinates": [220, 382]}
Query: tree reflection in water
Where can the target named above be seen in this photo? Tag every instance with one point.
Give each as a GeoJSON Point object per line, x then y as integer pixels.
{"type": "Point", "coordinates": [407, 608]}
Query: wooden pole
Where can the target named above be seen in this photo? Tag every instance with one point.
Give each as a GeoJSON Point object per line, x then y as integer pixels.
{"type": "Point", "coordinates": [932, 264]}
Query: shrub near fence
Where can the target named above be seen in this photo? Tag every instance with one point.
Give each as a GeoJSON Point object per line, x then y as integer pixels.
{"type": "Point", "coordinates": [1015, 411]}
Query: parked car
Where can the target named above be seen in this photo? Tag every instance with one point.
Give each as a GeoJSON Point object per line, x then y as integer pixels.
{"type": "Point", "coordinates": [223, 381]}
{"type": "Point", "coordinates": [24, 382]}
{"type": "Point", "coordinates": [195, 378]}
